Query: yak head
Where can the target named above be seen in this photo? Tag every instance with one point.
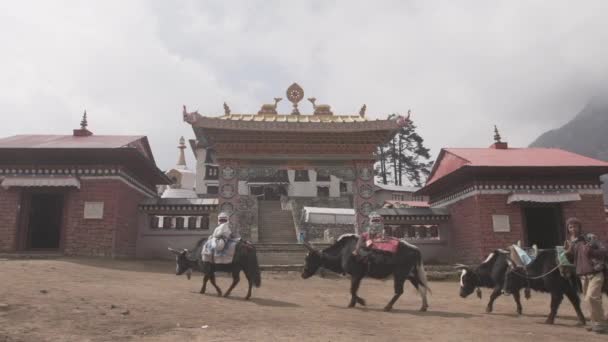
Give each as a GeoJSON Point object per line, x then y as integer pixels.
{"type": "Point", "coordinates": [469, 281]}
{"type": "Point", "coordinates": [183, 265]}
{"type": "Point", "coordinates": [312, 262]}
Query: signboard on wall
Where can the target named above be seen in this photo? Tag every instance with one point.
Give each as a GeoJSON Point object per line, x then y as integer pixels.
{"type": "Point", "coordinates": [93, 210]}
{"type": "Point", "coordinates": [501, 223]}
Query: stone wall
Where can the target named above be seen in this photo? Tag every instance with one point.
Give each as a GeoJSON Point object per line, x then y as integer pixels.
{"type": "Point", "coordinates": [473, 237]}
{"type": "Point", "coordinates": [246, 215]}
{"type": "Point", "coordinates": [113, 235]}
{"type": "Point", "coordinates": [590, 210]}
{"type": "Point", "coordinates": [10, 203]}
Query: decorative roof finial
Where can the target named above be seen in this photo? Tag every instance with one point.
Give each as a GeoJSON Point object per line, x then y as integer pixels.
{"type": "Point", "coordinates": [83, 122]}
{"type": "Point", "coordinates": [362, 111]}
{"type": "Point", "coordinates": [295, 94]}
{"type": "Point", "coordinates": [181, 161]}
{"type": "Point", "coordinates": [82, 131]}
{"type": "Point", "coordinates": [496, 135]}
{"type": "Point", "coordinates": [226, 109]}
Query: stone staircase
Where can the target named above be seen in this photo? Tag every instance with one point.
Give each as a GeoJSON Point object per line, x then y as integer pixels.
{"type": "Point", "coordinates": [275, 225]}
{"type": "Point", "coordinates": [283, 255]}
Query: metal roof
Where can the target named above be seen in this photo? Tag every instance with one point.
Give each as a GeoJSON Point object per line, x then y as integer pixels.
{"type": "Point", "coordinates": [413, 212]}
{"type": "Point", "coordinates": [393, 187]}
{"type": "Point", "coordinates": [68, 141]}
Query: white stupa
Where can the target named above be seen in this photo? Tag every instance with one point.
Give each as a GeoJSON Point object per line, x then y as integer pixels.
{"type": "Point", "coordinates": [184, 180]}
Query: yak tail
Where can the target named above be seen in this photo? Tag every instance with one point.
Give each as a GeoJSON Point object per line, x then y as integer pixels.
{"type": "Point", "coordinates": [421, 273]}
{"type": "Point", "coordinates": [254, 268]}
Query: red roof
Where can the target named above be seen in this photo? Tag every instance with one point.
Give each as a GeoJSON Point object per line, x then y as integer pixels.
{"type": "Point", "coordinates": [68, 141]}
{"type": "Point", "coordinates": [452, 159]}
{"type": "Point", "coordinates": [132, 151]}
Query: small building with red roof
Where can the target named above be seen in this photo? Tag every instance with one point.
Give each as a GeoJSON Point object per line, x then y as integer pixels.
{"type": "Point", "coordinates": [499, 195]}
{"type": "Point", "coordinates": [76, 194]}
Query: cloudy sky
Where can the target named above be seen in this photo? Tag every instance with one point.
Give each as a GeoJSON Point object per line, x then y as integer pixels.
{"type": "Point", "coordinates": [461, 66]}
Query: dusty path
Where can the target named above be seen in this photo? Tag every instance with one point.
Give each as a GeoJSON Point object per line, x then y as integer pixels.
{"type": "Point", "coordinates": [87, 300]}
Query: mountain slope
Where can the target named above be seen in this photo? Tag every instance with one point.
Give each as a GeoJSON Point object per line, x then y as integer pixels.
{"type": "Point", "coordinates": [586, 134]}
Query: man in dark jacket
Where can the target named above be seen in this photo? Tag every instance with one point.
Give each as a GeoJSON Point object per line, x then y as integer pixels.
{"type": "Point", "coordinates": [588, 256]}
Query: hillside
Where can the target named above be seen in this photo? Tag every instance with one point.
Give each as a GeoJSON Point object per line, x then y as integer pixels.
{"type": "Point", "coordinates": [586, 134]}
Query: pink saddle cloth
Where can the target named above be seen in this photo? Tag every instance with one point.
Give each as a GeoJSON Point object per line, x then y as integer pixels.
{"type": "Point", "coordinates": [387, 244]}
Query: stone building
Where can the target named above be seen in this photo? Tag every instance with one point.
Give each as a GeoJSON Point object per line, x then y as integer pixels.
{"type": "Point", "coordinates": [76, 194]}
{"type": "Point", "coordinates": [499, 195]}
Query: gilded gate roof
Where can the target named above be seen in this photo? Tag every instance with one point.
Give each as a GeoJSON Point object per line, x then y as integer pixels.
{"type": "Point", "coordinates": [294, 118]}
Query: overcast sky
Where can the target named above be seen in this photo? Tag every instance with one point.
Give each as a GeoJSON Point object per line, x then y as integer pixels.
{"type": "Point", "coordinates": [461, 66]}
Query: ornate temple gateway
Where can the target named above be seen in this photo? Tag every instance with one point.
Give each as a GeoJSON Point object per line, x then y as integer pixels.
{"type": "Point", "coordinates": [264, 157]}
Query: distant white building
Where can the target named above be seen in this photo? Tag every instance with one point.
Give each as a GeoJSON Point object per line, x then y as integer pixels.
{"type": "Point", "coordinates": [183, 179]}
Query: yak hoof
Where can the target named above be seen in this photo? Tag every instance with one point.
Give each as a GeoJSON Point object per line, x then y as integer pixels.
{"type": "Point", "coordinates": [519, 312]}
{"type": "Point", "coordinates": [361, 301]}
{"type": "Point", "coordinates": [423, 309]}
{"type": "Point", "coordinates": [388, 308]}
{"type": "Point", "coordinates": [351, 304]}
{"type": "Point", "coordinates": [550, 321]}
{"type": "Point", "coordinates": [488, 310]}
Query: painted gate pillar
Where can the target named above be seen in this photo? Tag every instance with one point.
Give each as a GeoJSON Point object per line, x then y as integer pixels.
{"type": "Point", "coordinates": [363, 192]}
{"type": "Point", "coordinates": [228, 194]}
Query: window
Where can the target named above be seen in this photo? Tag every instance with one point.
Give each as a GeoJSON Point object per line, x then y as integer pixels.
{"type": "Point", "coordinates": [212, 189]}
{"type": "Point", "coordinates": [322, 191]}
{"type": "Point", "coordinates": [343, 187]}
{"type": "Point", "coordinates": [154, 221]}
{"type": "Point", "coordinates": [192, 222]}
{"type": "Point", "coordinates": [301, 176]}
{"type": "Point", "coordinates": [167, 222]}
{"type": "Point", "coordinates": [211, 172]}
{"type": "Point", "coordinates": [323, 177]}
{"type": "Point", "coordinates": [281, 175]}
{"type": "Point", "coordinates": [179, 223]}
{"type": "Point", "coordinates": [204, 222]}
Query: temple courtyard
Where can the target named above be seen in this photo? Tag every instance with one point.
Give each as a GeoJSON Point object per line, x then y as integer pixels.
{"type": "Point", "coordinates": [86, 299]}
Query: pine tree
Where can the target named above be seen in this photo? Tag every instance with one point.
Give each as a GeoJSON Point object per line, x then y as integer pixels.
{"type": "Point", "coordinates": [406, 155]}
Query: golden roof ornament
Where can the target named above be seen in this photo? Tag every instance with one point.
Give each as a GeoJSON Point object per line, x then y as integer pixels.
{"type": "Point", "coordinates": [189, 117]}
{"type": "Point", "coordinates": [295, 94]}
{"type": "Point", "coordinates": [226, 109]}
{"type": "Point", "coordinates": [270, 108]}
{"type": "Point", "coordinates": [362, 111]}
{"type": "Point", "coordinates": [322, 109]}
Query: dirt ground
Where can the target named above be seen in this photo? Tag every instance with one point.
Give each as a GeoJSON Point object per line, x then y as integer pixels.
{"type": "Point", "coordinates": [76, 299]}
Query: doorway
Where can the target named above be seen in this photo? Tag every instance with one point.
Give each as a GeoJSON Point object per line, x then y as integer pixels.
{"type": "Point", "coordinates": [44, 221]}
{"type": "Point", "coordinates": [270, 192]}
{"type": "Point", "coordinates": [543, 226]}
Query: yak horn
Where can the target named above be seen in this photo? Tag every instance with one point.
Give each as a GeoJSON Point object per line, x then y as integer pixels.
{"type": "Point", "coordinates": [460, 266]}
{"type": "Point", "coordinates": [173, 251]}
